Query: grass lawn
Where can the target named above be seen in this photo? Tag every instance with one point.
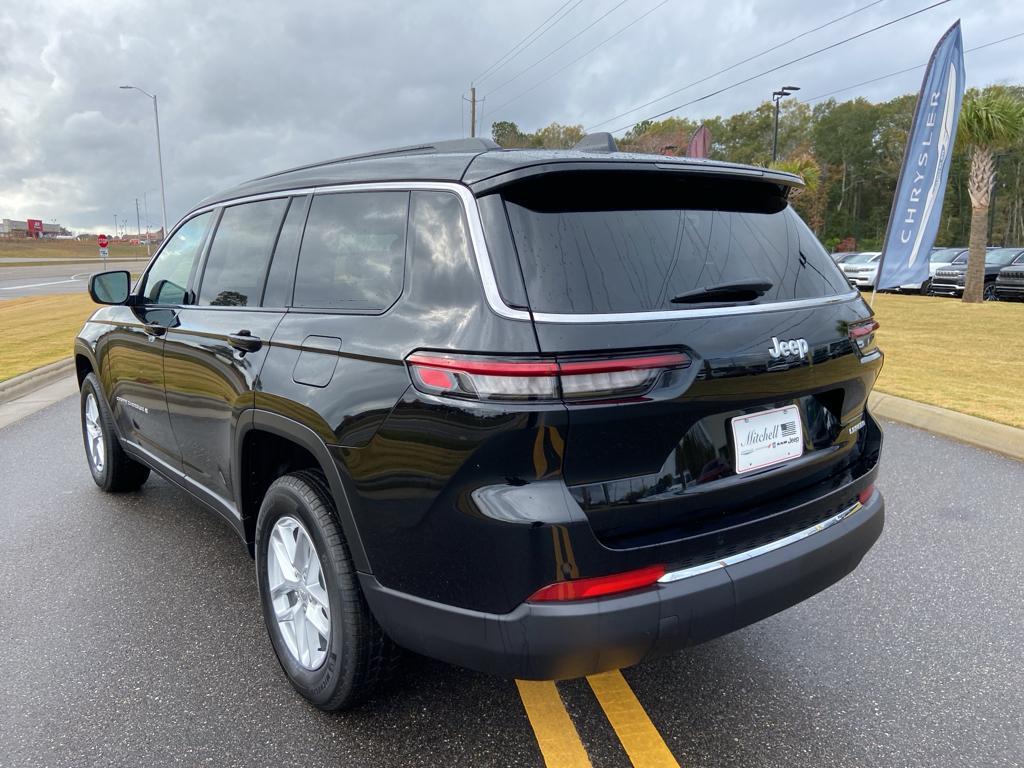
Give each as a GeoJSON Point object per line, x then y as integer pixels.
{"type": "Point", "coordinates": [965, 357]}
{"type": "Point", "coordinates": [29, 251]}
{"type": "Point", "coordinates": [38, 330]}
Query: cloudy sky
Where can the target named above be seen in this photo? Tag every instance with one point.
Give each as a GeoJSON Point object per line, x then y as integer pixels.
{"type": "Point", "coordinates": [247, 87]}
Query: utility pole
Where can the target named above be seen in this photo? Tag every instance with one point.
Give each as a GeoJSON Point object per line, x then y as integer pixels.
{"type": "Point", "coordinates": [472, 108]}
{"type": "Point", "coordinates": [138, 220]}
{"type": "Point", "coordinates": [145, 208]}
{"type": "Point", "coordinates": [115, 225]}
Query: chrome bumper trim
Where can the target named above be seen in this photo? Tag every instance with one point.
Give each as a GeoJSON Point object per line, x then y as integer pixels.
{"type": "Point", "coordinates": [764, 549]}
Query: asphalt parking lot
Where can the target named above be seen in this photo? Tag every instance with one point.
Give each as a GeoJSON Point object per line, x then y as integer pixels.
{"type": "Point", "coordinates": [130, 635]}
{"type": "Point", "coordinates": [61, 276]}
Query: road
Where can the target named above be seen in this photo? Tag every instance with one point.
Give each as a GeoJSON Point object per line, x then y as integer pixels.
{"type": "Point", "coordinates": [70, 276]}
{"type": "Point", "coordinates": [130, 634]}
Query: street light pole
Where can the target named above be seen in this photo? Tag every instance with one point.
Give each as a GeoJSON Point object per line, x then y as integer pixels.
{"type": "Point", "coordinates": [778, 96]}
{"type": "Point", "coordinates": [159, 151]}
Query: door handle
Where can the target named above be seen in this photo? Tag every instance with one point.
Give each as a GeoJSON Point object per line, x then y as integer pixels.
{"type": "Point", "coordinates": [244, 341]}
{"type": "Point", "coordinates": [155, 330]}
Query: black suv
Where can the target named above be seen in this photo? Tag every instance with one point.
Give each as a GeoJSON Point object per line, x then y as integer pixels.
{"type": "Point", "coordinates": [1010, 281]}
{"type": "Point", "coordinates": [950, 280]}
{"type": "Point", "coordinates": [537, 413]}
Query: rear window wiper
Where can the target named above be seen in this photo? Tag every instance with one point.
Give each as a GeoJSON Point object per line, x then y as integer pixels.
{"type": "Point", "coordinates": [741, 290]}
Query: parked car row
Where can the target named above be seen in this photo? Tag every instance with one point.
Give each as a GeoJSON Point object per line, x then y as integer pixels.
{"type": "Point", "coordinates": [1004, 272]}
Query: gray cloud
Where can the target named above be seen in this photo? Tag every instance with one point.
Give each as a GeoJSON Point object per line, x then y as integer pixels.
{"type": "Point", "coordinates": [248, 87]}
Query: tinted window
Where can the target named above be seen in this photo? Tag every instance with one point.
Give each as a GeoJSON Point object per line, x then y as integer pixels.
{"type": "Point", "coordinates": [441, 262]}
{"type": "Point", "coordinates": [595, 243]}
{"type": "Point", "coordinates": [278, 292]}
{"type": "Point", "coordinates": [1000, 257]}
{"type": "Point", "coordinates": [353, 251]}
{"type": "Point", "coordinates": [167, 279]}
{"type": "Point", "coordinates": [237, 262]}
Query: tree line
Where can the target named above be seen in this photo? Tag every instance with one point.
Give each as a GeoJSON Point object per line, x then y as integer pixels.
{"type": "Point", "coordinates": [849, 152]}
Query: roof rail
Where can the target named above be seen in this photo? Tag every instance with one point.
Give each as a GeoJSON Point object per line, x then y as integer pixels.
{"type": "Point", "coordinates": [432, 148]}
{"type": "Point", "coordinates": [597, 142]}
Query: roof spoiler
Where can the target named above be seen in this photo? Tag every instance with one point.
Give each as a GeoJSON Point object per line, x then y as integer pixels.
{"type": "Point", "coordinates": [597, 142]}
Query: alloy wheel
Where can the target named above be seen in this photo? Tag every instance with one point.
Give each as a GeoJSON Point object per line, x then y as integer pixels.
{"type": "Point", "coordinates": [94, 433]}
{"type": "Point", "coordinates": [298, 593]}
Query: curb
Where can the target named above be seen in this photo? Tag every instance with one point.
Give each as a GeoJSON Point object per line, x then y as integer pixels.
{"type": "Point", "coordinates": [999, 438]}
{"type": "Point", "coordinates": [22, 385]}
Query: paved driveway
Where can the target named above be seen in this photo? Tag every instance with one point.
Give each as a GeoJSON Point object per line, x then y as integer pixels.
{"type": "Point", "coordinates": [130, 635]}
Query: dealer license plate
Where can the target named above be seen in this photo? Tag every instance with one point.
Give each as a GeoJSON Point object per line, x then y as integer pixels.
{"type": "Point", "coordinates": [767, 438]}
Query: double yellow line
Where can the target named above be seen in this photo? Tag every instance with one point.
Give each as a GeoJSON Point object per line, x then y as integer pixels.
{"type": "Point", "coordinates": [559, 741]}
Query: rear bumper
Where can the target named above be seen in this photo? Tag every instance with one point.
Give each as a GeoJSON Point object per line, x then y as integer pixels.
{"type": "Point", "coordinates": [558, 641]}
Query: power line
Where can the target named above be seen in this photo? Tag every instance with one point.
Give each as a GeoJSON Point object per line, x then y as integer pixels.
{"type": "Point", "coordinates": [512, 52]}
{"type": "Point", "coordinates": [785, 64]}
{"type": "Point", "coordinates": [737, 64]}
{"type": "Point", "coordinates": [556, 50]}
{"type": "Point", "coordinates": [903, 71]}
{"type": "Point", "coordinates": [583, 55]}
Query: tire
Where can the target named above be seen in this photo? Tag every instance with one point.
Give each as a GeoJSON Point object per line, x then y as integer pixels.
{"type": "Point", "coordinates": [341, 667]}
{"type": "Point", "coordinates": [113, 470]}
{"type": "Point", "coordinates": [989, 292]}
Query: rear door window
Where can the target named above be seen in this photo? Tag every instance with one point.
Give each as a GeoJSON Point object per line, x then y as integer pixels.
{"type": "Point", "coordinates": [353, 251]}
{"type": "Point", "coordinates": [628, 242]}
{"type": "Point", "coordinates": [238, 258]}
{"type": "Point", "coordinates": [281, 277]}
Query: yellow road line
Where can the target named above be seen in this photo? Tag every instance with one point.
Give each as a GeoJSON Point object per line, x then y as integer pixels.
{"type": "Point", "coordinates": [556, 735]}
{"type": "Point", "coordinates": [639, 737]}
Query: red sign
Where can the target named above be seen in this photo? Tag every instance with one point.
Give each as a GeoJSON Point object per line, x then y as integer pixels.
{"type": "Point", "coordinates": [35, 227]}
{"type": "Point", "coordinates": [102, 241]}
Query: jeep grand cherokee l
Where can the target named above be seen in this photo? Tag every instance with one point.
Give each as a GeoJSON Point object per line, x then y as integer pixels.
{"type": "Point", "coordinates": [950, 280]}
{"type": "Point", "coordinates": [537, 413]}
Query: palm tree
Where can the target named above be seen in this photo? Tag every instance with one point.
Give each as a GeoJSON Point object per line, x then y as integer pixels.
{"type": "Point", "coordinates": [804, 166]}
{"type": "Point", "coordinates": [989, 120]}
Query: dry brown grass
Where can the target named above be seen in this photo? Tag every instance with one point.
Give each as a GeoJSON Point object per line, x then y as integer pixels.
{"type": "Point", "coordinates": [965, 357]}
{"type": "Point", "coordinates": [38, 330]}
{"type": "Point", "coordinates": [28, 250]}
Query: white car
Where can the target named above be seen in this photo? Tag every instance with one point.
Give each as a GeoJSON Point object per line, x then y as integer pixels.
{"type": "Point", "coordinates": [861, 269]}
{"type": "Point", "coordinates": [939, 258]}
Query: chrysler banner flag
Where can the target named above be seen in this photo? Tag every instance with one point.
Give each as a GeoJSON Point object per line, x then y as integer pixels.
{"type": "Point", "coordinates": [917, 206]}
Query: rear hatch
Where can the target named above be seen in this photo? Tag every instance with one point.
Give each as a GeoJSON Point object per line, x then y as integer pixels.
{"type": "Point", "coordinates": [723, 271]}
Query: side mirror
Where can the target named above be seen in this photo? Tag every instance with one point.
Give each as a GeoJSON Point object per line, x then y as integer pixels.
{"type": "Point", "coordinates": [110, 287]}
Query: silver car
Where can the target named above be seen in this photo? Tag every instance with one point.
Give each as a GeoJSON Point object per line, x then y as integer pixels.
{"type": "Point", "coordinates": [861, 269]}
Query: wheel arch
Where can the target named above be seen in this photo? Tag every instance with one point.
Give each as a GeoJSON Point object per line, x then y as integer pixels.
{"type": "Point", "coordinates": [302, 449]}
{"type": "Point", "coordinates": [85, 361]}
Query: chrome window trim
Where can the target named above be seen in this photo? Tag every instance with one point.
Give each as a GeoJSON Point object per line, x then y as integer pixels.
{"type": "Point", "coordinates": [739, 557]}
{"type": "Point", "coordinates": [679, 314]}
{"type": "Point", "coordinates": [490, 283]}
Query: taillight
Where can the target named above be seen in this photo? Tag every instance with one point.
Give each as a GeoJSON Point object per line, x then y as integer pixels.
{"type": "Point", "coordinates": [864, 495]}
{"type": "Point", "coordinates": [598, 586]}
{"type": "Point", "coordinates": [862, 334]}
{"type": "Point", "coordinates": [539, 379]}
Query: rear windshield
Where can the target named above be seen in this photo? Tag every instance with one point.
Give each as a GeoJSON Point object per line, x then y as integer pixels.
{"type": "Point", "coordinates": [630, 242]}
